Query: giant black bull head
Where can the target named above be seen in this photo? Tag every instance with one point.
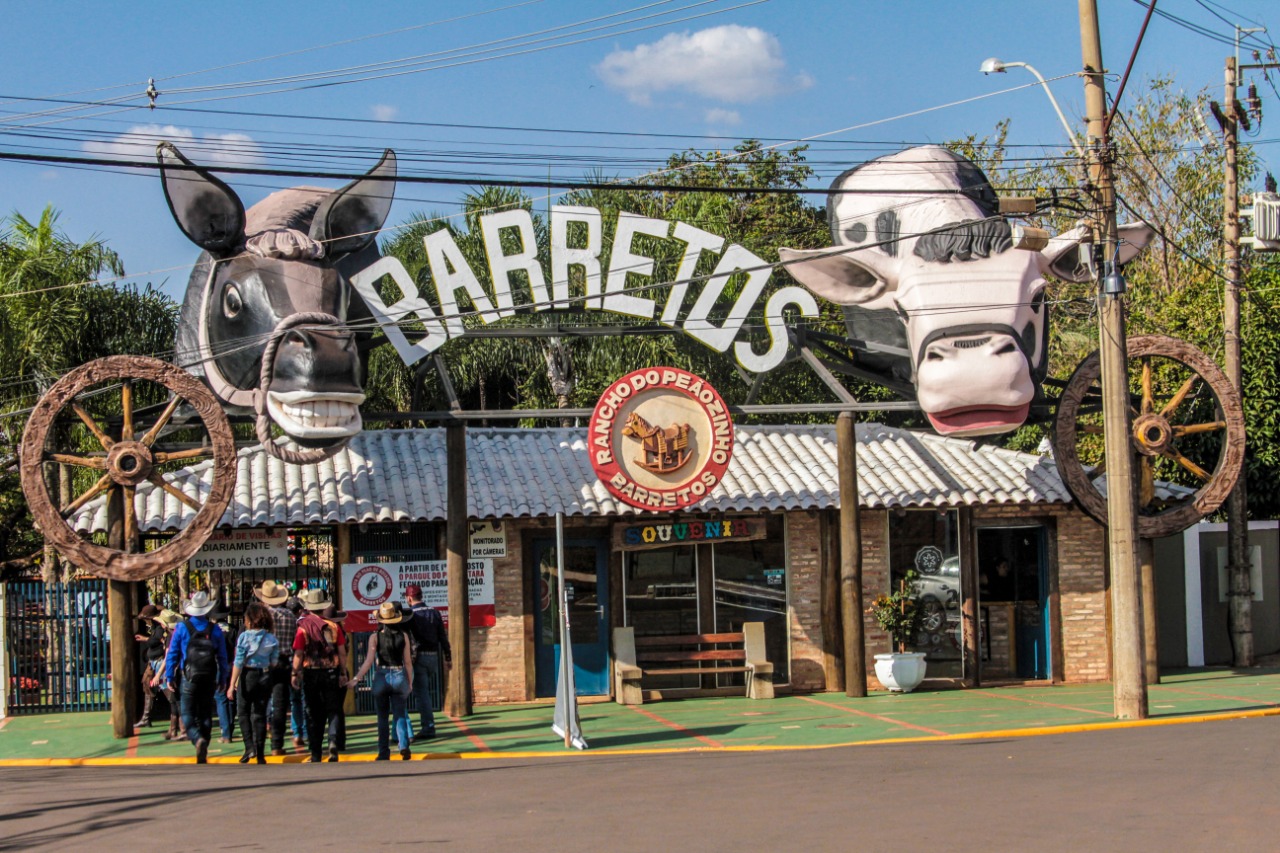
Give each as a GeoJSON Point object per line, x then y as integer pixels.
{"type": "Point", "coordinates": [266, 313]}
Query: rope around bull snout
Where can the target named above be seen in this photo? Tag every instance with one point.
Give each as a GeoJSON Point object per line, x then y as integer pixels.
{"type": "Point", "coordinates": [292, 455]}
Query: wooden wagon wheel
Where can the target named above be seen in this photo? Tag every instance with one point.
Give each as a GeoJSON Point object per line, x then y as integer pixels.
{"type": "Point", "coordinates": [1187, 422]}
{"type": "Point", "coordinates": [122, 463]}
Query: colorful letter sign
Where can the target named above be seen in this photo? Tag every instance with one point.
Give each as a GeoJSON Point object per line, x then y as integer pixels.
{"type": "Point", "coordinates": [660, 438]}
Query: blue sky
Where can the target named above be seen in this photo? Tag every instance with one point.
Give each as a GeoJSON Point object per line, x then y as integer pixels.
{"type": "Point", "coordinates": [782, 69]}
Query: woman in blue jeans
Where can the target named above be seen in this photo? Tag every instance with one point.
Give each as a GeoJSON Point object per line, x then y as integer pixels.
{"type": "Point", "coordinates": [390, 657]}
{"type": "Point", "coordinates": [257, 651]}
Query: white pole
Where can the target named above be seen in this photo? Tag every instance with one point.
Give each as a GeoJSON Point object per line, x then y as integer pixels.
{"type": "Point", "coordinates": [564, 617]}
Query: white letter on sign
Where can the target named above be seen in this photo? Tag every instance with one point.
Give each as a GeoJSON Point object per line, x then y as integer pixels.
{"type": "Point", "coordinates": [389, 316]}
{"type": "Point", "coordinates": [777, 352]}
{"type": "Point", "coordinates": [451, 272]}
{"type": "Point", "coordinates": [622, 261]}
{"type": "Point", "coordinates": [698, 241]}
{"type": "Point", "coordinates": [501, 266]}
{"type": "Point", "coordinates": [563, 257]}
{"type": "Point", "coordinates": [736, 258]}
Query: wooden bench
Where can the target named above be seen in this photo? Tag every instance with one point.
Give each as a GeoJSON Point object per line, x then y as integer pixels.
{"type": "Point", "coordinates": [690, 654]}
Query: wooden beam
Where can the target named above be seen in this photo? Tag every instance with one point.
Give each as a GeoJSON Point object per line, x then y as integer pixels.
{"type": "Point", "coordinates": [855, 646]}
{"type": "Point", "coordinates": [1150, 627]}
{"type": "Point", "coordinates": [457, 544]}
{"type": "Point", "coordinates": [120, 616]}
{"type": "Point", "coordinates": [971, 623]}
{"type": "Point", "coordinates": [829, 603]}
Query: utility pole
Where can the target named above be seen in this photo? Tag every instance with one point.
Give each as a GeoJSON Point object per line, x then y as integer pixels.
{"type": "Point", "coordinates": [1127, 665]}
{"type": "Point", "coordinates": [1240, 612]}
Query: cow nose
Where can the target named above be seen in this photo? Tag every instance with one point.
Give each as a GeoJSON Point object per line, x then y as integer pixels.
{"type": "Point", "coordinates": [989, 345]}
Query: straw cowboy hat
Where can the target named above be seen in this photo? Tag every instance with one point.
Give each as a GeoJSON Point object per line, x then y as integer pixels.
{"type": "Point", "coordinates": [168, 618]}
{"type": "Point", "coordinates": [271, 593]}
{"type": "Point", "coordinates": [389, 613]}
{"type": "Point", "coordinates": [314, 599]}
{"type": "Point", "coordinates": [200, 604]}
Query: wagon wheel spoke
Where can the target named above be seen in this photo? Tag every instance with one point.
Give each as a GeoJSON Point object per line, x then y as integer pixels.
{"type": "Point", "coordinates": [97, 462]}
{"type": "Point", "coordinates": [158, 480]}
{"type": "Point", "coordinates": [1193, 429]}
{"type": "Point", "coordinates": [1173, 454]}
{"type": "Point", "coordinates": [1090, 429]}
{"type": "Point", "coordinates": [1147, 483]}
{"type": "Point", "coordinates": [1148, 405]}
{"type": "Point", "coordinates": [105, 440]}
{"type": "Point", "coordinates": [1179, 396]}
{"type": "Point", "coordinates": [130, 514]}
{"type": "Point", "coordinates": [96, 489]}
{"type": "Point", "coordinates": [177, 455]}
{"type": "Point", "coordinates": [153, 433]}
{"type": "Point", "coordinates": [1098, 470]}
{"type": "Point", "coordinates": [126, 406]}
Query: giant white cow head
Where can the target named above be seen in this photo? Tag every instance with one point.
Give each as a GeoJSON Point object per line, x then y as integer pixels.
{"type": "Point", "coordinates": [918, 233]}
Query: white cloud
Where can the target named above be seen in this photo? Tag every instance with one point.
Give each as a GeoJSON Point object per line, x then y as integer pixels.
{"type": "Point", "coordinates": [723, 118]}
{"type": "Point", "coordinates": [214, 149]}
{"type": "Point", "coordinates": [729, 63]}
{"type": "Point", "coordinates": [384, 112]}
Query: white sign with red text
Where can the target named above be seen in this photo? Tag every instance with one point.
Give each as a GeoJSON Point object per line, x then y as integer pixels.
{"type": "Point", "coordinates": [367, 585]}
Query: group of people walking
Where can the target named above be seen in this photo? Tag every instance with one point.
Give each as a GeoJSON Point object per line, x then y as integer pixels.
{"type": "Point", "coordinates": [290, 647]}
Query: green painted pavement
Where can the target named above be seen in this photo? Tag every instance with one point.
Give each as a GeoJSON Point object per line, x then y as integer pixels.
{"type": "Point", "coordinates": [816, 720]}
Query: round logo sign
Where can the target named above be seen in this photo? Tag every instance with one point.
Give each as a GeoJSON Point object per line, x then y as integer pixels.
{"type": "Point", "coordinates": [929, 559]}
{"type": "Point", "coordinates": [660, 438]}
{"type": "Point", "coordinates": [371, 585]}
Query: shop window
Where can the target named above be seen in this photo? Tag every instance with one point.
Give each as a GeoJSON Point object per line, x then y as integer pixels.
{"type": "Point", "coordinates": [662, 591]}
{"type": "Point", "coordinates": [929, 542]}
{"type": "Point", "coordinates": [751, 586]}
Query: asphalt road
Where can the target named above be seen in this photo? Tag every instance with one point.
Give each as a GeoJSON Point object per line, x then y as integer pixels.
{"type": "Point", "coordinates": [1204, 786]}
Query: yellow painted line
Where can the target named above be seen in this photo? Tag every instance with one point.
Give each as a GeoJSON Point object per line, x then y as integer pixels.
{"type": "Point", "coordinates": [562, 753]}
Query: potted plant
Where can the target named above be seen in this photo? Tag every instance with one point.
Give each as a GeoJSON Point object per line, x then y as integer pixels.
{"type": "Point", "coordinates": [898, 615]}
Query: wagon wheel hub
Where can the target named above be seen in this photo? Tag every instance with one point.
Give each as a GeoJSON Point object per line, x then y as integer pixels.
{"type": "Point", "coordinates": [129, 462]}
{"type": "Point", "coordinates": [1152, 434]}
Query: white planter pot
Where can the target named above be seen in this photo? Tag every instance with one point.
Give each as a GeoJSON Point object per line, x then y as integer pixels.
{"type": "Point", "coordinates": [900, 673]}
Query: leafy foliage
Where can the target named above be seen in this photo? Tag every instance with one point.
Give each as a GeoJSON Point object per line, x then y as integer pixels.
{"type": "Point", "coordinates": [898, 613]}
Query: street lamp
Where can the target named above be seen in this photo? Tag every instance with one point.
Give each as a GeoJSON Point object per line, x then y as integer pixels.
{"type": "Point", "coordinates": [996, 66]}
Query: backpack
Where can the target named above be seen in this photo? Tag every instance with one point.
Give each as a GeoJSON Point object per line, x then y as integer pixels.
{"type": "Point", "coordinates": [201, 660]}
{"type": "Point", "coordinates": [321, 651]}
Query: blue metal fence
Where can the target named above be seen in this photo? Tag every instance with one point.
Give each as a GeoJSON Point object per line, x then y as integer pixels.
{"type": "Point", "coordinates": [58, 646]}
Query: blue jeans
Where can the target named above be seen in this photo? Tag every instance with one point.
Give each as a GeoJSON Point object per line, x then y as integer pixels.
{"type": "Point", "coordinates": [197, 707]}
{"type": "Point", "coordinates": [226, 714]}
{"type": "Point", "coordinates": [297, 714]}
{"type": "Point", "coordinates": [424, 664]}
{"type": "Point", "coordinates": [391, 697]}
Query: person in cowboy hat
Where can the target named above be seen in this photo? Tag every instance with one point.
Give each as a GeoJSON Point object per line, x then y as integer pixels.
{"type": "Point", "coordinates": [284, 625]}
{"type": "Point", "coordinates": [392, 661]}
{"type": "Point", "coordinates": [333, 614]}
{"type": "Point", "coordinates": [319, 669]}
{"type": "Point", "coordinates": [151, 635]}
{"type": "Point", "coordinates": [198, 651]}
{"type": "Point", "coordinates": [167, 620]}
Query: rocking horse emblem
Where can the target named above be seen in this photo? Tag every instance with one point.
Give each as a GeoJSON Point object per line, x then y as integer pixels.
{"type": "Point", "coordinates": [664, 449]}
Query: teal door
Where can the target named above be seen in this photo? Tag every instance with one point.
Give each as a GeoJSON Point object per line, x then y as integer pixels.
{"type": "Point", "coordinates": [586, 577]}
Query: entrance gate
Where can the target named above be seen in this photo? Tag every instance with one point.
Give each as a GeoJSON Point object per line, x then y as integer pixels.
{"type": "Point", "coordinates": [59, 657]}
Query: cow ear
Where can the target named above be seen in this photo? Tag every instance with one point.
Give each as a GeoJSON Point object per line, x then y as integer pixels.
{"type": "Point", "coordinates": [208, 211]}
{"type": "Point", "coordinates": [1064, 258]}
{"type": "Point", "coordinates": [350, 218]}
{"type": "Point", "coordinates": [838, 275]}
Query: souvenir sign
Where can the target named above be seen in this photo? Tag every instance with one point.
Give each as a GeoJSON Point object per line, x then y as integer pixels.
{"type": "Point", "coordinates": [660, 438]}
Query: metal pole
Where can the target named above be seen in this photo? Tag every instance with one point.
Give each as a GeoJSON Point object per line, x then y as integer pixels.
{"type": "Point", "coordinates": [1128, 684]}
{"type": "Point", "coordinates": [564, 618]}
{"type": "Point", "coordinates": [1240, 614]}
{"type": "Point", "coordinates": [458, 548]}
{"type": "Point", "coordinates": [855, 646]}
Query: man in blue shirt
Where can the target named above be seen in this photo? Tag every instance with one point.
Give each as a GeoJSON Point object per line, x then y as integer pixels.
{"type": "Point", "coordinates": [198, 651]}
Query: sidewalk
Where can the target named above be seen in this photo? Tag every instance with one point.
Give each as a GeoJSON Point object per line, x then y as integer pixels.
{"type": "Point", "coordinates": [815, 721]}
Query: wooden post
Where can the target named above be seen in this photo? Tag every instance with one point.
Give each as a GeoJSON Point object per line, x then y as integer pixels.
{"type": "Point", "coordinates": [1129, 689]}
{"type": "Point", "coordinates": [120, 616]}
{"type": "Point", "coordinates": [1150, 627]}
{"type": "Point", "coordinates": [971, 623]}
{"type": "Point", "coordinates": [855, 645]}
{"type": "Point", "coordinates": [457, 544]}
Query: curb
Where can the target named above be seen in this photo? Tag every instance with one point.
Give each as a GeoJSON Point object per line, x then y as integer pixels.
{"type": "Point", "coordinates": [439, 756]}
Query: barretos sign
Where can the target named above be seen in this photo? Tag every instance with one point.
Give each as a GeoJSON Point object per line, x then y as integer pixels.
{"type": "Point", "coordinates": [621, 288]}
{"type": "Point", "coordinates": [660, 438]}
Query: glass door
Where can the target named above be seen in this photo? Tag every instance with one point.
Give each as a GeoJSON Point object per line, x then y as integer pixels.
{"type": "Point", "coordinates": [586, 580]}
{"type": "Point", "coordinates": [1013, 594]}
